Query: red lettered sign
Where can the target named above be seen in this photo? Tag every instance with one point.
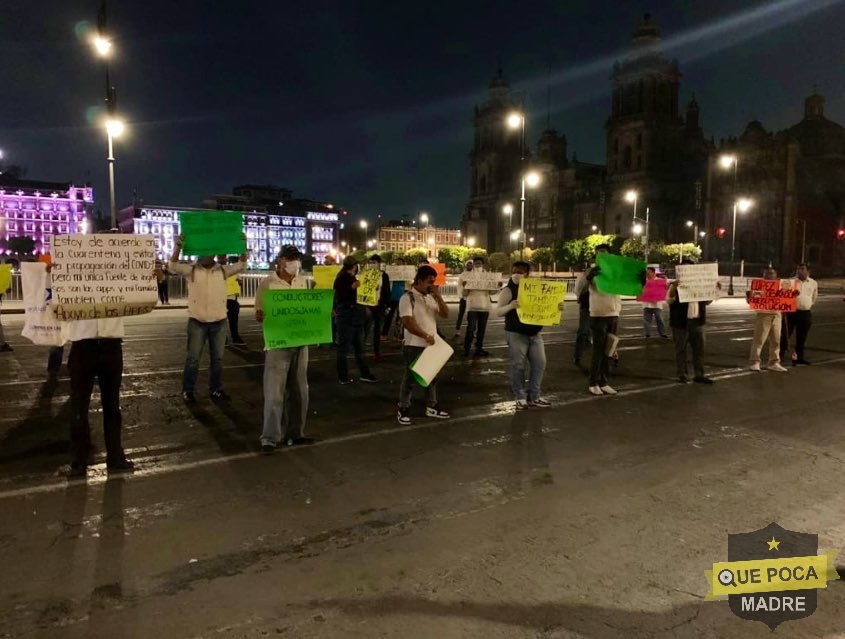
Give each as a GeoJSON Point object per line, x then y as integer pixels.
{"type": "Point", "coordinates": [773, 295]}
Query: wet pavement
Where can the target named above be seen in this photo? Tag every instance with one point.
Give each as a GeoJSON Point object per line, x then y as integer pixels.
{"type": "Point", "coordinates": [594, 518]}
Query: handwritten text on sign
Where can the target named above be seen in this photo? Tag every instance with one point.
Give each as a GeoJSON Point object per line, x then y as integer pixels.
{"type": "Point", "coordinates": [697, 282]}
{"type": "Point", "coordinates": [539, 301]}
{"type": "Point", "coordinates": [108, 275]}
{"type": "Point", "coordinates": [773, 295]}
{"type": "Point", "coordinates": [297, 317]}
{"type": "Point", "coordinates": [401, 273]}
{"type": "Point", "coordinates": [481, 281]}
{"type": "Point", "coordinates": [369, 286]}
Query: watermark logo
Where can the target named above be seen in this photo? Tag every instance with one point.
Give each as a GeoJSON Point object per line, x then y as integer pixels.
{"type": "Point", "coordinates": [772, 575]}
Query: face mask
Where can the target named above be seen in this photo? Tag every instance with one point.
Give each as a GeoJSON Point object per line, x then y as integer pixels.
{"type": "Point", "coordinates": [292, 268]}
{"type": "Point", "coordinates": [516, 277]}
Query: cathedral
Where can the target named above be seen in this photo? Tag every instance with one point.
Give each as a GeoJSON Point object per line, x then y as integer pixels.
{"type": "Point", "coordinates": [684, 184]}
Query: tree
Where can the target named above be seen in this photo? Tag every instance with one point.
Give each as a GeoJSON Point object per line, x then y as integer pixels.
{"type": "Point", "coordinates": [453, 257]}
{"type": "Point", "coordinates": [634, 247]}
{"type": "Point", "coordinates": [687, 250]}
{"type": "Point", "coordinates": [498, 262]}
{"type": "Point", "coordinates": [544, 257]}
{"type": "Point", "coordinates": [413, 256]}
{"type": "Point", "coordinates": [21, 245]}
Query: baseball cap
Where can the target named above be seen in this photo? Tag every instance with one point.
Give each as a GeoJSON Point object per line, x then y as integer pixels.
{"type": "Point", "coordinates": [290, 252]}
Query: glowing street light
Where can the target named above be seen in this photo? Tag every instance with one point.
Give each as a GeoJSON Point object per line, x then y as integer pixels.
{"type": "Point", "coordinates": [470, 242]}
{"type": "Point", "coordinates": [102, 45]}
{"type": "Point", "coordinates": [515, 120]}
{"type": "Point", "coordinates": [363, 225]}
{"type": "Point", "coordinates": [115, 127]}
{"type": "Point", "coordinates": [507, 209]}
{"type": "Point", "coordinates": [727, 161]}
{"type": "Point", "coordinates": [743, 205]}
{"type": "Point", "coordinates": [632, 197]}
{"type": "Point", "coordinates": [637, 228]}
{"type": "Point", "coordinates": [424, 218]}
{"type": "Point", "coordinates": [532, 179]}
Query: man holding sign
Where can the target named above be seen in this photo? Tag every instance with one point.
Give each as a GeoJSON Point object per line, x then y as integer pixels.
{"type": "Point", "coordinates": [207, 317]}
{"type": "Point", "coordinates": [285, 369]}
{"type": "Point", "coordinates": [765, 296]}
{"type": "Point", "coordinates": [523, 335]}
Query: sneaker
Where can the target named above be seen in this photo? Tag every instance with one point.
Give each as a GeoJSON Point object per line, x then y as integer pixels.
{"type": "Point", "coordinates": [77, 469]}
{"type": "Point", "coordinates": [189, 397]}
{"type": "Point", "coordinates": [539, 403]}
{"type": "Point", "coordinates": [683, 379]}
{"type": "Point", "coordinates": [482, 353]}
{"type": "Point", "coordinates": [608, 390]}
{"type": "Point", "coordinates": [238, 342]}
{"type": "Point", "coordinates": [755, 367]}
{"type": "Point", "coordinates": [344, 382]}
{"type": "Point", "coordinates": [369, 378]}
{"type": "Point", "coordinates": [403, 417]}
{"type": "Point", "coordinates": [664, 336]}
{"type": "Point", "coordinates": [595, 390]}
{"type": "Point", "coordinates": [299, 441]}
{"type": "Point", "coordinates": [221, 395]}
{"type": "Point", "coordinates": [457, 335]}
{"type": "Point", "coordinates": [776, 367]}
{"type": "Point", "coordinates": [5, 348]}
{"type": "Point", "coordinates": [267, 449]}
{"type": "Point", "coordinates": [520, 404]}
{"type": "Point", "coordinates": [702, 380]}
{"type": "Point", "coordinates": [436, 412]}
{"type": "Point", "coordinates": [120, 466]}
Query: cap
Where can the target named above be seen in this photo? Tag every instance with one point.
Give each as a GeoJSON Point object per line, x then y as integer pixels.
{"type": "Point", "coordinates": [290, 252]}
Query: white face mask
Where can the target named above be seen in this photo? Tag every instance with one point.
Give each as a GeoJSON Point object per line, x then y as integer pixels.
{"type": "Point", "coordinates": [516, 277]}
{"type": "Point", "coordinates": [292, 268]}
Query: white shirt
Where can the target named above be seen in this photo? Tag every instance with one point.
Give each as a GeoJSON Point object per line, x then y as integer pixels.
{"type": "Point", "coordinates": [111, 327]}
{"type": "Point", "coordinates": [477, 300]}
{"type": "Point", "coordinates": [424, 311]}
{"type": "Point", "coordinates": [603, 304]}
{"type": "Point", "coordinates": [207, 289]}
{"type": "Point", "coordinates": [808, 293]}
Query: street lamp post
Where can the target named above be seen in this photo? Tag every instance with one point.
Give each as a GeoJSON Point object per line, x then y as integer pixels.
{"type": "Point", "coordinates": [803, 237]}
{"type": "Point", "coordinates": [507, 209]}
{"type": "Point", "coordinates": [743, 204]}
{"type": "Point", "coordinates": [532, 179]}
{"type": "Point", "coordinates": [366, 235]}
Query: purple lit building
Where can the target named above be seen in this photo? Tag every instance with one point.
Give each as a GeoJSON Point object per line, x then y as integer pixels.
{"type": "Point", "coordinates": [35, 209]}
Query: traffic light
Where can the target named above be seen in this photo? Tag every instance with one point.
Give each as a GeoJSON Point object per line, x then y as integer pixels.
{"type": "Point", "coordinates": [720, 232]}
{"type": "Point", "coordinates": [840, 234]}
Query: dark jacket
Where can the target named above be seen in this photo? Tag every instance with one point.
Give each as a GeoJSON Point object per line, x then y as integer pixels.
{"type": "Point", "coordinates": [678, 312]}
{"type": "Point", "coordinates": [512, 322]}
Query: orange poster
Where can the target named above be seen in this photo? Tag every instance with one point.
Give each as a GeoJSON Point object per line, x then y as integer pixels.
{"type": "Point", "coordinates": [773, 295]}
{"type": "Point", "coordinates": [441, 274]}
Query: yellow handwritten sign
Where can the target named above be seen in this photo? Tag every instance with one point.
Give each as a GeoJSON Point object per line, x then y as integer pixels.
{"type": "Point", "coordinates": [5, 277]}
{"type": "Point", "coordinates": [324, 276]}
{"type": "Point", "coordinates": [369, 285]}
{"type": "Point", "coordinates": [539, 301]}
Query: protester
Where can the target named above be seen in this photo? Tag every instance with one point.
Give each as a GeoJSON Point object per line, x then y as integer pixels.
{"type": "Point", "coordinates": [767, 327]}
{"type": "Point", "coordinates": [604, 319]}
{"type": "Point", "coordinates": [378, 312]}
{"type": "Point", "coordinates": [96, 351]}
{"type": "Point", "coordinates": [207, 317]}
{"type": "Point", "coordinates": [350, 323]}
{"type": "Point", "coordinates": [462, 295]}
{"type": "Point", "coordinates": [800, 321]}
{"type": "Point", "coordinates": [478, 312]}
{"type": "Point", "coordinates": [582, 337]}
{"type": "Point", "coordinates": [285, 369]}
{"type": "Point", "coordinates": [525, 343]}
{"type": "Point", "coordinates": [329, 260]}
{"type": "Point", "coordinates": [419, 308]}
{"type": "Point", "coordinates": [233, 307]}
{"type": "Point", "coordinates": [54, 360]}
{"type": "Point", "coordinates": [161, 282]}
{"type": "Point", "coordinates": [687, 321]}
{"type": "Point", "coordinates": [653, 310]}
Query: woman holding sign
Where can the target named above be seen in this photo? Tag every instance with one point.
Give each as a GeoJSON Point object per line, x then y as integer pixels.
{"type": "Point", "coordinates": [350, 322]}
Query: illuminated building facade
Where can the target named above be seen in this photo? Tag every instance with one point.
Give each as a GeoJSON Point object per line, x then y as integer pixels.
{"type": "Point", "coordinates": [399, 238]}
{"type": "Point", "coordinates": [38, 210]}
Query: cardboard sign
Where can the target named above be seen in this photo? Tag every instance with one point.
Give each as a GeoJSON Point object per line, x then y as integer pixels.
{"type": "Point", "coordinates": [481, 281]}
{"type": "Point", "coordinates": [697, 282]}
{"type": "Point", "coordinates": [369, 285]}
{"type": "Point", "coordinates": [297, 317]}
{"type": "Point", "coordinates": [441, 274]}
{"type": "Point", "coordinates": [324, 276]}
{"type": "Point", "coordinates": [5, 277]}
{"type": "Point", "coordinates": [653, 291]}
{"type": "Point", "coordinates": [212, 232]}
{"type": "Point", "coordinates": [767, 296]}
{"type": "Point", "coordinates": [401, 273]}
{"type": "Point", "coordinates": [539, 301]}
{"type": "Point", "coordinates": [619, 275]}
{"type": "Point", "coordinates": [107, 275]}
{"type": "Point", "coordinates": [431, 361]}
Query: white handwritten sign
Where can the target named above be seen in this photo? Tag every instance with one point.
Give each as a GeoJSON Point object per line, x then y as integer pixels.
{"type": "Point", "coordinates": [697, 282]}
{"type": "Point", "coordinates": [401, 273]}
{"type": "Point", "coordinates": [481, 281]}
{"type": "Point", "coordinates": [106, 275]}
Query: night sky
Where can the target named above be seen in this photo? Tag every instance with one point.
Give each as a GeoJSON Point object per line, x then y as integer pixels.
{"type": "Point", "coordinates": [369, 104]}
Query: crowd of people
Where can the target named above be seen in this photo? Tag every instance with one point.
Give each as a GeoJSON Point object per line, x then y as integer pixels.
{"type": "Point", "coordinates": [213, 291]}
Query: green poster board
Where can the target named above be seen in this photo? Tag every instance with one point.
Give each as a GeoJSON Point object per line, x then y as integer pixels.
{"type": "Point", "coordinates": [212, 232]}
{"type": "Point", "coordinates": [619, 275]}
{"type": "Point", "coordinates": [297, 317]}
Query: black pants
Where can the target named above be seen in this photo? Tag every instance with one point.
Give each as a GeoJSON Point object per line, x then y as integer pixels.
{"type": "Point", "coordinates": [600, 328]}
{"type": "Point", "coordinates": [162, 292]}
{"type": "Point", "coordinates": [54, 359]}
{"type": "Point", "coordinates": [377, 315]}
{"type": "Point", "coordinates": [233, 309]}
{"type": "Point", "coordinates": [476, 320]}
{"type": "Point", "coordinates": [350, 334]}
{"type": "Point", "coordinates": [462, 308]}
{"type": "Point", "coordinates": [798, 322]}
{"type": "Point", "coordinates": [693, 335]}
{"type": "Point", "coordinates": [391, 315]}
{"type": "Point", "coordinates": [103, 359]}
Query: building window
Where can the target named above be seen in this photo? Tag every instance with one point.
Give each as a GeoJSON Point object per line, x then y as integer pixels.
{"type": "Point", "coordinates": [628, 155]}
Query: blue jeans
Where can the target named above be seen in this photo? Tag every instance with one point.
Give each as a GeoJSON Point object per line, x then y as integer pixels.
{"type": "Point", "coordinates": [285, 394]}
{"type": "Point", "coordinates": [522, 348]}
{"type": "Point", "coordinates": [198, 333]}
{"type": "Point", "coordinates": [648, 313]}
